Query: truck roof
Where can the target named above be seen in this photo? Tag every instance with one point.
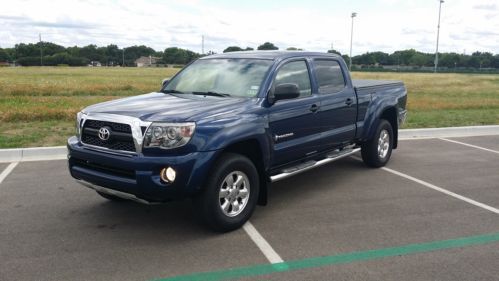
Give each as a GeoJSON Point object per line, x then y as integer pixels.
{"type": "Point", "coordinates": [269, 55]}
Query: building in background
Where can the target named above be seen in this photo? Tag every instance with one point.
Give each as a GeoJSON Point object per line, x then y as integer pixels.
{"type": "Point", "coordinates": [147, 61]}
{"type": "Point", "coordinates": [95, 63]}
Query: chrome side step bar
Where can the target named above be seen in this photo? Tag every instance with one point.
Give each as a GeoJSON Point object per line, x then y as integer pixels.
{"type": "Point", "coordinates": [286, 173]}
{"type": "Point", "coordinates": [116, 193]}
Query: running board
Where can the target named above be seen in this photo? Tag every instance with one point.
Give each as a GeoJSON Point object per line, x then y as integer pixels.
{"type": "Point", "coordinates": [313, 164]}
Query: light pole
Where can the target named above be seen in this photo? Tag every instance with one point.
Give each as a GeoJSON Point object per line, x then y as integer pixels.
{"type": "Point", "coordinates": [351, 40]}
{"type": "Point", "coordinates": [438, 34]}
{"type": "Point", "coordinates": [202, 44]}
{"type": "Point", "coordinates": [41, 48]}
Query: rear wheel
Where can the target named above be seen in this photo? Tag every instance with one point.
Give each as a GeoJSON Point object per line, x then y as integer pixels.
{"type": "Point", "coordinates": [377, 151]}
{"type": "Point", "coordinates": [231, 193]}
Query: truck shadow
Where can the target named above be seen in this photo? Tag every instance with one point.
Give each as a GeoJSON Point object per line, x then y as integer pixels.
{"type": "Point", "coordinates": [319, 180]}
{"type": "Point", "coordinates": [177, 219]}
{"type": "Point", "coordinates": [172, 220]}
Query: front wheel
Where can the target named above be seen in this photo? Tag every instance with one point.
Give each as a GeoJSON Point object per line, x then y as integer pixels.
{"type": "Point", "coordinates": [377, 151]}
{"type": "Point", "coordinates": [231, 193]}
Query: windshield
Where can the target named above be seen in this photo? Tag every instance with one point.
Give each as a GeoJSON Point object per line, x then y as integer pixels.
{"type": "Point", "coordinates": [221, 77]}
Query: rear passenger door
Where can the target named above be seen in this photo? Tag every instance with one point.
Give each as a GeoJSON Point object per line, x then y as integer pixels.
{"type": "Point", "coordinates": [293, 122]}
{"type": "Point", "coordinates": [338, 112]}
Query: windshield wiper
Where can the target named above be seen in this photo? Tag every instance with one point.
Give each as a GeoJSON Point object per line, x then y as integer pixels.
{"type": "Point", "coordinates": [210, 93]}
{"type": "Point", "coordinates": [171, 92]}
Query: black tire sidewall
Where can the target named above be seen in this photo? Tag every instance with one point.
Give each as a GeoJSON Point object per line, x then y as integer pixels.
{"type": "Point", "coordinates": [370, 148]}
{"type": "Point", "coordinates": [208, 200]}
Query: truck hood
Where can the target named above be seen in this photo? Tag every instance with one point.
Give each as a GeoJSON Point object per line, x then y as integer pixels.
{"type": "Point", "coordinates": [170, 108]}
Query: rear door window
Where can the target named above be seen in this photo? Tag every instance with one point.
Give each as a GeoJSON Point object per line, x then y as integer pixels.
{"type": "Point", "coordinates": [329, 76]}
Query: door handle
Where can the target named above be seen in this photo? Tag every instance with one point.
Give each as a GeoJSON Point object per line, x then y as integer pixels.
{"type": "Point", "coordinates": [349, 101]}
{"type": "Point", "coordinates": [314, 107]}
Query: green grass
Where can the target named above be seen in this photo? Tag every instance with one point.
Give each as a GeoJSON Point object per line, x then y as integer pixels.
{"type": "Point", "coordinates": [38, 105]}
{"type": "Point", "coordinates": [445, 100]}
{"type": "Point", "coordinates": [36, 133]}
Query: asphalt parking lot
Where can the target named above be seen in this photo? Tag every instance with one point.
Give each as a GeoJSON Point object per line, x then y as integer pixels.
{"type": "Point", "coordinates": [431, 214]}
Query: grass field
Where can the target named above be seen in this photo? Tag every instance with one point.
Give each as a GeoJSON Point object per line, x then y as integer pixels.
{"type": "Point", "coordinates": [38, 105]}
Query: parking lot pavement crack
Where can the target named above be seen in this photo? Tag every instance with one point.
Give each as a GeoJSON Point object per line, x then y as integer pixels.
{"type": "Point", "coordinates": [7, 171]}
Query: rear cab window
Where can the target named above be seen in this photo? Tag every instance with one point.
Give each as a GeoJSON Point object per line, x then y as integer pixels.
{"type": "Point", "coordinates": [329, 76]}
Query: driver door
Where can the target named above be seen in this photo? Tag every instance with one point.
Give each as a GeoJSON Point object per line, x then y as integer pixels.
{"type": "Point", "coordinates": [294, 123]}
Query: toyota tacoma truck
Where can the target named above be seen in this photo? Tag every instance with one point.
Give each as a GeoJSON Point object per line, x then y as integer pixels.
{"type": "Point", "coordinates": [226, 126]}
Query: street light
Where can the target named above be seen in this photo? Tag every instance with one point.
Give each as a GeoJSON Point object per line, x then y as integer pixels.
{"type": "Point", "coordinates": [438, 34]}
{"type": "Point", "coordinates": [351, 40]}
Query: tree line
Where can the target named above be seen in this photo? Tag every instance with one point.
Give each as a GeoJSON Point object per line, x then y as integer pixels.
{"type": "Point", "coordinates": [419, 59]}
{"type": "Point", "coordinates": [47, 53]}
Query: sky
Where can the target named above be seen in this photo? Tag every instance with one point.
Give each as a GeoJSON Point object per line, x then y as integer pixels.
{"type": "Point", "coordinates": [314, 25]}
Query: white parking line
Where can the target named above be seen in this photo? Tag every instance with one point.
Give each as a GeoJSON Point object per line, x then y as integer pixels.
{"type": "Point", "coordinates": [7, 171]}
{"type": "Point", "coordinates": [262, 244]}
{"type": "Point", "coordinates": [450, 193]}
{"type": "Point", "coordinates": [470, 145]}
{"type": "Point", "coordinates": [434, 187]}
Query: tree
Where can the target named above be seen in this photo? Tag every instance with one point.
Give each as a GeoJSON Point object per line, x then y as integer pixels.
{"type": "Point", "coordinates": [294, 49]}
{"type": "Point", "coordinates": [134, 52]}
{"type": "Point", "coordinates": [50, 48]}
{"type": "Point", "coordinates": [179, 56]}
{"type": "Point", "coordinates": [267, 46]}
{"type": "Point", "coordinates": [449, 60]}
{"type": "Point", "coordinates": [249, 49]}
{"type": "Point", "coordinates": [4, 56]}
{"type": "Point", "coordinates": [421, 59]}
{"type": "Point", "coordinates": [346, 58]}
{"type": "Point", "coordinates": [404, 57]}
{"type": "Point", "coordinates": [232, 49]}
{"type": "Point", "coordinates": [27, 50]}
{"type": "Point", "coordinates": [495, 62]}
{"type": "Point", "coordinates": [28, 61]}
{"type": "Point", "coordinates": [113, 55]}
{"type": "Point", "coordinates": [484, 59]}
{"type": "Point", "coordinates": [90, 52]}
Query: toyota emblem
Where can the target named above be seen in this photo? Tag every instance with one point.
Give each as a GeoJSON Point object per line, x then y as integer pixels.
{"type": "Point", "coordinates": [104, 133]}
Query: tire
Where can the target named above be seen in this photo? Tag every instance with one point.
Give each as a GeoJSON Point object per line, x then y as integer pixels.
{"type": "Point", "coordinates": [231, 193]}
{"type": "Point", "coordinates": [111, 197]}
{"type": "Point", "coordinates": [377, 151]}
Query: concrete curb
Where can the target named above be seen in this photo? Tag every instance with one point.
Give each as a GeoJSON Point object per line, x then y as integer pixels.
{"type": "Point", "coordinates": [449, 132]}
{"type": "Point", "coordinates": [33, 154]}
{"type": "Point", "coordinates": [60, 152]}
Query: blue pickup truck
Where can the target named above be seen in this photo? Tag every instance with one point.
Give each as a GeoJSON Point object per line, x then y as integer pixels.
{"type": "Point", "coordinates": [226, 126]}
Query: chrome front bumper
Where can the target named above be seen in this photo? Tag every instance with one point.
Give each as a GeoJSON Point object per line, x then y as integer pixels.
{"type": "Point", "coordinates": [116, 193]}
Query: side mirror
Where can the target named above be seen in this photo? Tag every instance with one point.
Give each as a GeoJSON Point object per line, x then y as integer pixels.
{"type": "Point", "coordinates": [165, 81]}
{"type": "Point", "coordinates": [284, 92]}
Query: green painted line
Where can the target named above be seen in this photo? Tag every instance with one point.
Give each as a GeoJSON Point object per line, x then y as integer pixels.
{"type": "Point", "coordinates": [263, 269]}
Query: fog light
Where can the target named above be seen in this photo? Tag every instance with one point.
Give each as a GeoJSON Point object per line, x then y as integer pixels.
{"type": "Point", "coordinates": [168, 174]}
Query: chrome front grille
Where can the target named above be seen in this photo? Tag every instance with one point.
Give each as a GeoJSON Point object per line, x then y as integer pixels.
{"type": "Point", "coordinates": [120, 138]}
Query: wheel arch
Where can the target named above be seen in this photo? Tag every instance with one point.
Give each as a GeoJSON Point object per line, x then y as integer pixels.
{"type": "Point", "coordinates": [390, 115]}
{"type": "Point", "coordinates": [252, 149]}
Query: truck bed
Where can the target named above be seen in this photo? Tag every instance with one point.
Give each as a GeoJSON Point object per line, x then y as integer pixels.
{"type": "Point", "coordinates": [363, 84]}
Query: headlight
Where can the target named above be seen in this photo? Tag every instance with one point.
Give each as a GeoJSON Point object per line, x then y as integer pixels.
{"type": "Point", "coordinates": [168, 135]}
